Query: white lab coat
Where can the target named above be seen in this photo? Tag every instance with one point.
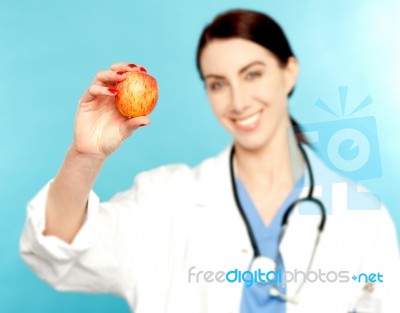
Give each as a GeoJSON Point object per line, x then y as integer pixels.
{"type": "Point", "coordinates": [141, 244]}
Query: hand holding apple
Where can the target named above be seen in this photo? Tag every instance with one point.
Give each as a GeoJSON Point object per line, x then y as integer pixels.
{"type": "Point", "coordinates": [137, 94]}
{"type": "Point", "coordinates": [100, 128]}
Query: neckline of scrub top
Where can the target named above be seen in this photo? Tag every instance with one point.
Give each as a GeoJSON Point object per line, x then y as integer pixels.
{"type": "Point", "coordinates": [260, 230]}
{"type": "Point", "coordinates": [256, 298]}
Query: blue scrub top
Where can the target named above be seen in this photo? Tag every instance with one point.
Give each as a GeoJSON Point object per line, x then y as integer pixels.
{"type": "Point", "coordinates": [256, 298]}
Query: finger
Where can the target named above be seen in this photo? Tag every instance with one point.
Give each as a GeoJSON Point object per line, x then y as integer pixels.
{"type": "Point", "coordinates": [109, 78]}
{"type": "Point", "coordinates": [95, 91]}
{"type": "Point", "coordinates": [121, 66]}
{"type": "Point", "coordinates": [142, 68]}
{"type": "Point", "coordinates": [106, 78]}
{"type": "Point", "coordinates": [127, 67]}
{"type": "Point", "coordinates": [124, 67]}
{"type": "Point", "coordinates": [133, 124]}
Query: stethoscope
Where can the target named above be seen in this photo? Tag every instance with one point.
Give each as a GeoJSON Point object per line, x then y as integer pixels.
{"type": "Point", "coordinates": [265, 263]}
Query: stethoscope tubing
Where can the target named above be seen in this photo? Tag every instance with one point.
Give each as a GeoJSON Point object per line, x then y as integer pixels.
{"type": "Point", "coordinates": [285, 218]}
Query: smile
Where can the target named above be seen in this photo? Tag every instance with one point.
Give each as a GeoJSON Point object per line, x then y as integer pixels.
{"type": "Point", "coordinates": [248, 123]}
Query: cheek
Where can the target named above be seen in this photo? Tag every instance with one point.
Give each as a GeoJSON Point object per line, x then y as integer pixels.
{"type": "Point", "coordinates": [270, 90]}
{"type": "Point", "coordinates": [218, 103]}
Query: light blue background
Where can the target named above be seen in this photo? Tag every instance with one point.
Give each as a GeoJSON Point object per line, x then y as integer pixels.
{"type": "Point", "coordinates": [50, 51]}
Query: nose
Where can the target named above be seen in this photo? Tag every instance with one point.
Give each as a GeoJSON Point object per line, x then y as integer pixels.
{"type": "Point", "coordinates": [239, 99]}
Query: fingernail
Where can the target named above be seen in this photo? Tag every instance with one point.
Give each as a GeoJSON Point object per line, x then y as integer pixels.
{"type": "Point", "coordinates": [120, 73]}
{"type": "Point", "coordinates": [112, 90]}
{"type": "Point", "coordinates": [132, 65]}
{"type": "Point", "coordinates": [143, 69]}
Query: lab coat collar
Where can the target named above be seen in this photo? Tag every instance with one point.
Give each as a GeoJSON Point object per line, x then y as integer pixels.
{"type": "Point", "coordinates": [215, 183]}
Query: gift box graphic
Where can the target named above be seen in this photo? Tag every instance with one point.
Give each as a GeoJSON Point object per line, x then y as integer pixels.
{"type": "Point", "coordinates": [348, 145]}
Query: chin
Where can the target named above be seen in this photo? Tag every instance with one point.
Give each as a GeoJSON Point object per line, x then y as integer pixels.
{"type": "Point", "coordinates": [251, 144]}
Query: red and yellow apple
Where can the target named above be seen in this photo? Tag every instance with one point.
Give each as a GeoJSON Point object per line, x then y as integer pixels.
{"type": "Point", "coordinates": [137, 94]}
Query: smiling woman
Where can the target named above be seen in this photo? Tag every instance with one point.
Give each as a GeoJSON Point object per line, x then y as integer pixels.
{"type": "Point", "coordinates": [229, 213]}
{"type": "Point", "coordinates": [248, 89]}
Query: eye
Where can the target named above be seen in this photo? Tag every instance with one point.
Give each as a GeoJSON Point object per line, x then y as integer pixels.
{"type": "Point", "coordinates": [217, 85]}
{"type": "Point", "coordinates": [253, 75]}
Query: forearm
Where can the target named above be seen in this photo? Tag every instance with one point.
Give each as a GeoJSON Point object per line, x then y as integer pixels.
{"type": "Point", "coordinates": [68, 194]}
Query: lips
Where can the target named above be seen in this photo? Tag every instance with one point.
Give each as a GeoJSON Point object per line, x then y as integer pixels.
{"type": "Point", "coordinates": [249, 122]}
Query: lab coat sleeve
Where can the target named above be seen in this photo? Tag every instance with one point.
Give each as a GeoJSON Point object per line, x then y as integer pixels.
{"type": "Point", "coordinates": [101, 258]}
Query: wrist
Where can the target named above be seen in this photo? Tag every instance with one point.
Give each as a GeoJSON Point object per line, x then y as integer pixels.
{"type": "Point", "coordinates": [95, 158]}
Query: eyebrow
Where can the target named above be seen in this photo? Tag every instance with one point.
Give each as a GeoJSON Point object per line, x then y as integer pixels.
{"type": "Point", "coordinates": [243, 69]}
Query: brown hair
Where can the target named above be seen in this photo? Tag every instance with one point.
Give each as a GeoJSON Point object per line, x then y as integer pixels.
{"type": "Point", "coordinates": [251, 25]}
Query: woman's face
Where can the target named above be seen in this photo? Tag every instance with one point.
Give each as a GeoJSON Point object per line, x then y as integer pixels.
{"type": "Point", "coordinates": [248, 89]}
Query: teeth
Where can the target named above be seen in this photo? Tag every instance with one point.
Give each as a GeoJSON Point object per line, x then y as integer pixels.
{"type": "Point", "coordinates": [248, 121]}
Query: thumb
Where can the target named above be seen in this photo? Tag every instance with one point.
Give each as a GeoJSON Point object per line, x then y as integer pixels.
{"type": "Point", "coordinates": [130, 125]}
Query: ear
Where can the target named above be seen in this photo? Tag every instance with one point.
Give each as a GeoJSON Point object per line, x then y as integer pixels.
{"type": "Point", "coordinates": [291, 72]}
